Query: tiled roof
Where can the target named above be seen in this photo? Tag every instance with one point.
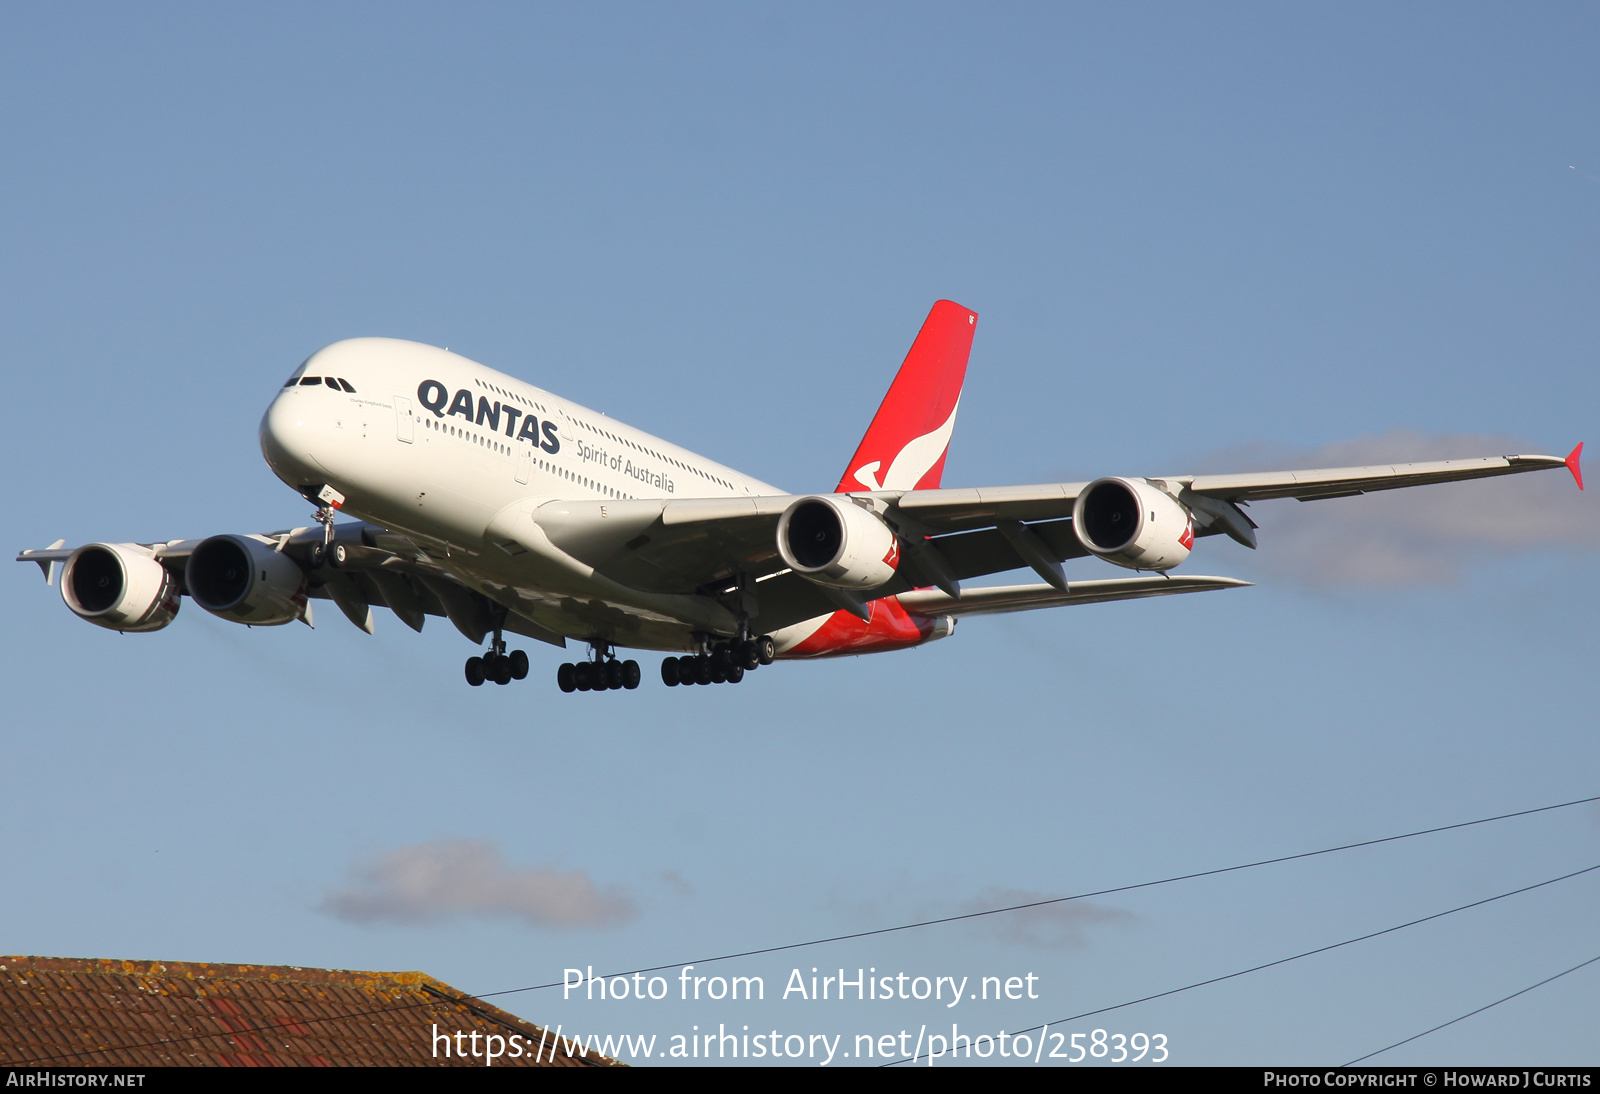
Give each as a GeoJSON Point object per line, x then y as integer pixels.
{"type": "Point", "coordinates": [68, 1012]}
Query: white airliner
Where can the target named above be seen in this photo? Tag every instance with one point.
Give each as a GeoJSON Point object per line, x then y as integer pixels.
{"type": "Point", "coordinates": [503, 508]}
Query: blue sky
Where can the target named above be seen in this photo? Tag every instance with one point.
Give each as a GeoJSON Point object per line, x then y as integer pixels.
{"type": "Point", "coordinates": [1236, 236]}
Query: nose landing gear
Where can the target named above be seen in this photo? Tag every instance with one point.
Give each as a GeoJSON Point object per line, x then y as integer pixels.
{"type": "Point", "coordinates": [329, 501]}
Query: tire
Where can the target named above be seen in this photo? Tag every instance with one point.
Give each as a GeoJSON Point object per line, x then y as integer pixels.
{"type": "Point", "coordinates": [766, 649]}
{"type": "Point", "coordinates": [630, 674]}
{"type": "Point", "coordinates": [519, 665]}
{"type": "Point", "coordinates": [748, 657]}
{"type": "Point", "coordinates": [583, 673]}
{"type": "Point", "coordinates": [702, 669]}
{"type": "Point", "coordinates": [566, 678]}
{"type": "Point", "coordinates": [735, 674]}
{"type": "Point", "coordinates": [613, 675]}
{"type": "Point", "coordinates": [669, 672]}
{"type": "Point", "coordinates": [500, 671]}
{"type": "Point", "coordinates": [721, 656]}
{"type": "Point", "coordinates": [475, 673]}
{"type": "Point", "coordinates": [338, 555]}
{"type": "Point", "coordinates": [318, 556]}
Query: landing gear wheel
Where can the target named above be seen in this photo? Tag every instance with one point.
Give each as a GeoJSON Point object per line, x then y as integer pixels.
{"type": "Point", "coordinates": [747, 656]}
{"type": "Point", "coordinates": [669, 672]}
{"type": "Point", "coordinates": [499, 670]}
{"type": "Point", "coordinates": [566, 678]}
{"type": "Point", "coordinates": [475, 674]}
{"type": "Point", "coordinates": [766, 649]}
{"type": "Point", "coordinates": [583, 672]}
{"type": "Point", "coordinates": [519, 665]}
{"type": "Point", "coordinates": [338, 555]}
{"type": "Point", "coordinates": [630, 674]}
{"type": "Point", "coordinates": [613, 671]}
{"type": "Point", "coordinates": [735, 674]}
{"type": "Point", "coordinates": [319, 556]}
{"type": "Point", "coordinates": [702, 669]}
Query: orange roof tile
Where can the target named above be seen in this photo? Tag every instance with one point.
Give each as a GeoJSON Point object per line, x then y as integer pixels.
{"type": "Point", "coordinates": [71, 1012]}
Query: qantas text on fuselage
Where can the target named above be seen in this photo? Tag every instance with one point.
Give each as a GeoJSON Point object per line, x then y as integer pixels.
{"type": "Point", "coordinates": [507, 510]}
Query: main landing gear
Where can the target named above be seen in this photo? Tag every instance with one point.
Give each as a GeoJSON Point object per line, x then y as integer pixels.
{"type": "Point", "coordinates": [497, 664]}
{"type": "Point", "coordinates": [725, 664]}
{"type": "Point", "coordinates": [604, 673]}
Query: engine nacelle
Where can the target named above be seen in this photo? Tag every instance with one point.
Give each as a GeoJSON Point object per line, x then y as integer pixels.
{"type": "Point", "coordinates": [833, 541]}
{"type": "Point", "coordinates": [242, 579]}
{"type": "Point", "coordinates": [119, 586]}
{"type": "Point", "coordinates": [1131, 523]}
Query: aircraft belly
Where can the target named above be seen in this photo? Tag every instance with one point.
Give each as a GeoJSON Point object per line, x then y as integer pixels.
{"type": "Point", "coordinates": [593, 618]}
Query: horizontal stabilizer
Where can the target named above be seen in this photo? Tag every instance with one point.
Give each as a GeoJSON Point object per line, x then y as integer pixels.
{"type": "Point", "coordinates": [1021, 598]}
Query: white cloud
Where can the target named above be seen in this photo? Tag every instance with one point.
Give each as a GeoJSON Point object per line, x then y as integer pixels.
{"type": "Point", "coordinates": [1049, 926]}
{"type": "Point", "coordinates": [1420, 536]}
{"type": "Point", "coordinates": [434, 881]}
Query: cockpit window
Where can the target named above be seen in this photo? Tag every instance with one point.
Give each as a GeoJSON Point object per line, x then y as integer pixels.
{"type": "Point", "coordinates": [307, 381]}
{"type": "Point", "coordinates": [345, 384]}
{"type": "Point", "coordinates": [293, 380]}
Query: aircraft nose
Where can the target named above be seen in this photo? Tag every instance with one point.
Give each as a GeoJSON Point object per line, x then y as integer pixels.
{"type": "Point", "coordinates": [286, 433]}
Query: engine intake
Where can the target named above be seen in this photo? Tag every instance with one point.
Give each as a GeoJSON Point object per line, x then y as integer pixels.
{"type": "Point", "coordinates": [243, 580]}
{"type": "Point", "coordinates": [119, 586]}
{"type": "Point", "coordinates": [1131, 523]}
{"type": "Point", "coordinates": [835, 542]}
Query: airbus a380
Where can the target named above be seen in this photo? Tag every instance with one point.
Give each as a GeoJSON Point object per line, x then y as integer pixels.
{"type": "Point", "coordinates": [505, 508]}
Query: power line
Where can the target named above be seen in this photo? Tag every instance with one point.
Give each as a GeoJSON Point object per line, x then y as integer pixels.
{"type": "Point", "coordinates": [1064, 899]}
{"type": "Point", "coordinates": [1470, 1013]}
{"type": "Point", "coordinates": [1295, 957]}
{"type": "Point", "coordinates": [269, 1027]}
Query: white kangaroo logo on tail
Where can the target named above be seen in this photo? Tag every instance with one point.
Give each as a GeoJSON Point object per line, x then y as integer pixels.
{"type": "Point", "coordinates": [915, 460]}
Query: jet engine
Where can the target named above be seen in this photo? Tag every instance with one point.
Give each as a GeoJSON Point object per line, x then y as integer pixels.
{"type": "Point", "coordinates": [119, 586]}
{"type": "Point", "coordinates": [833, 541]}
{"type": "Point", "coordinates": [244, 580]}
{"type": "Point", "coordinates": [1131, 523]}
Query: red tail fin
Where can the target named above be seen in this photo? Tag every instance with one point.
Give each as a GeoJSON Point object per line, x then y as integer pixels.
{"type": "Point", "coordinates": [905, 445]}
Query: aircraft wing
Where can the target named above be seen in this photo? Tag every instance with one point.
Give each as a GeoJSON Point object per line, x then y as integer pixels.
{"type": "Point", "coordinates": [1345, 481]}
{"type": "Point", "coordinates": [683, 545]}
{"type": "Point", "coordinates": [948, 510]}
{"type": "Point", "coordinates": [995, 599]}
{"type": "Point", "coordinates": [382, 569]}
{"type": "Point", "coordinates": [707, 545]}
